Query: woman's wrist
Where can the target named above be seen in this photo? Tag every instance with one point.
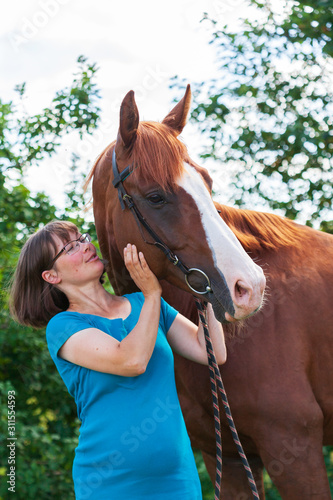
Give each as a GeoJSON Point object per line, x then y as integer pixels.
{"type": "Point", "coordinates": [153, 294]}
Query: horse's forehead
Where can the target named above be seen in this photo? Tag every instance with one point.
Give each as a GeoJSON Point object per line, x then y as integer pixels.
{"type": "Point", "coordinates": [145, 184]}
{"type": "Point", "coordinates": [192, 182]}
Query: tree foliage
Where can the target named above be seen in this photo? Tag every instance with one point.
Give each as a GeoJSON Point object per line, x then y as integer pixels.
{"type": "Point", "coordinates": [268, 116]}
{"type": "Point", "coordinates": [28, 139]}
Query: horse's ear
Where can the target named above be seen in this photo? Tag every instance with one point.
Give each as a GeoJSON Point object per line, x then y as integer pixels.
{"type": "Point", "coordinates": [177, 117]}
{"type": "Point", "coordinates": [129, 120]}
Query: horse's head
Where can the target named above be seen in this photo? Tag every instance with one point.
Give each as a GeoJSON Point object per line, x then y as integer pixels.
{"type": "Point", "coordinates": [165, 198]}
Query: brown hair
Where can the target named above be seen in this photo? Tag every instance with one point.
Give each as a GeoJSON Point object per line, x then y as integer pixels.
{"type": "Point", "coordinates": [33, 301]}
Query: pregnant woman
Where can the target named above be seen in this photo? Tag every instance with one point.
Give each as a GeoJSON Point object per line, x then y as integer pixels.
{"type": "Point", "coordinates": [115, 355]}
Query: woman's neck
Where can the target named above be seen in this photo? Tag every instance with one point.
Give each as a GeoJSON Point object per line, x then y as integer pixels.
{"type": "Point", "coordinates": [93, 299]}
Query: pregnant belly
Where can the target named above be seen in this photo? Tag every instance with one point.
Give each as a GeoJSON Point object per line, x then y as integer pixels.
{"type": "Point", "coordinates": [135, 441]}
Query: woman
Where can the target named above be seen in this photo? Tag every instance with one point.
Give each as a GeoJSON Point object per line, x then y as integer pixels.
{"type": "Point", "coordinates": [115, 356]}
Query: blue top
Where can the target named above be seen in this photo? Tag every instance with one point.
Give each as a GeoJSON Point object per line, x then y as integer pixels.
{"type": "Point", "coordinates": [133, 441]}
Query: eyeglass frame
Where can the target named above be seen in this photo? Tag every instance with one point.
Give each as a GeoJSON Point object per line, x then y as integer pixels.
{"type": "Point", "coordinates": [85, 236]}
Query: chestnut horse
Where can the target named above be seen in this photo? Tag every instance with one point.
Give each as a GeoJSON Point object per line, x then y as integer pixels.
{"type": "Point", "coordinates": [279, 366]}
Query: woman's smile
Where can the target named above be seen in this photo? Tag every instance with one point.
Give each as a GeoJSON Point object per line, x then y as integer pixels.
{"type": "Point", "coordinates": [93, 257]}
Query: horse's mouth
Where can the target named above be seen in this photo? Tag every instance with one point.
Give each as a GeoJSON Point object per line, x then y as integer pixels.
{"type": "Point", "coordinates": [220, 313]}
{"type": "Point", "coordinates": [230, 319]}
{"type": "Point", "coordinates": [224, 309]}
{"type": "Point", "coordinates": [221, 301]}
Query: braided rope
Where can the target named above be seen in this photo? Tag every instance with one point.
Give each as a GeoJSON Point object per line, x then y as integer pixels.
{"type": "Point", "coordinates": [216, 380]}
{"type": "Point", "coordinates": [217, 421]}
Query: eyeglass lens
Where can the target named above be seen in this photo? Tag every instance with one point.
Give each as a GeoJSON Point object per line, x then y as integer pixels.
{"type": "Point", "coordinates": [73, 246]}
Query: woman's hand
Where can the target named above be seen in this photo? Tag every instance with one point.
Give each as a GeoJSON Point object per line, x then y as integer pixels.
{"type": "Point", "coordinates": [140, 273]}
{"type": "Point", "coordinates": [188, 340]}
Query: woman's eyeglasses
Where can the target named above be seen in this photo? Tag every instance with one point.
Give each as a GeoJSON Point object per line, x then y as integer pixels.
{"type": "Point", "coordinates": [73, 246]}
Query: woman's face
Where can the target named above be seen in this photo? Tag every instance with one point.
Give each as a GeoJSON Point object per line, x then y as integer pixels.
{"type": "Point", "coordinates": [79, 268]}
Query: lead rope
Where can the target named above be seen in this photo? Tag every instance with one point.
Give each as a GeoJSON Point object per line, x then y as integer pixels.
{"type": "Point", "coordinates": [216, 380]}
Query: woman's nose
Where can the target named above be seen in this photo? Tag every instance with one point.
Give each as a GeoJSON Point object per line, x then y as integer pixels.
{"type": "Point", "coordinates": [85, 246]}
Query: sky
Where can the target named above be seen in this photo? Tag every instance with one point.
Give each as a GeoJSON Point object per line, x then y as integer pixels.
{"type": "Point", "coordinates": [138, 45]}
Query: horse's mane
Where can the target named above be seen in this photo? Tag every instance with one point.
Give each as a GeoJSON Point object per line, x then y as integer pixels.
{"type": "Point", "coordinates": [157, 154]}
{"type": "Point", "coordinates": [259, 230]}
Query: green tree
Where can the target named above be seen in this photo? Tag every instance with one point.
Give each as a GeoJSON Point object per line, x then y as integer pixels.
{"type": "Point", "coordinates": [268, 115]}
{"type": "Point", "coordinates": [46, 423]}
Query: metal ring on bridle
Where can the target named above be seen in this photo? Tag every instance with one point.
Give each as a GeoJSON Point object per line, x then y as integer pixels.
{"type": "Point", "coordinates": [208, 287]}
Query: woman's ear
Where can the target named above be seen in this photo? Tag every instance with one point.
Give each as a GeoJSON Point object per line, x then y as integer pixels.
{"type": "Point", "coordinates": [51, 277]}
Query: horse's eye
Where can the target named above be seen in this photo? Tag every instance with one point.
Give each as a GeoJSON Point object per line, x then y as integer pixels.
{"type": "Point", "coordinates": [155, 199]}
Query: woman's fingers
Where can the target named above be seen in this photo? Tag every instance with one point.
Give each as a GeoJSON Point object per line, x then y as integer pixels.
{"type": "Point", "coordinates": [139, 270]}
{"type": "Point", "coordinates": [131, 256]}
{"type": "Point", "coordinates": [135, 264]}
{"type": "Point", "coordinates": [143, 261]}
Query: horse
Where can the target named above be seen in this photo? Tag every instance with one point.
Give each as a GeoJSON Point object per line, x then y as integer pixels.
{"type": "Point", "coordinates": [279, 367]}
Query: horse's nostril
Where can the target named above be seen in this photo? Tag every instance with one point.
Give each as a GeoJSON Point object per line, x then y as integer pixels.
{"type": "Point", "coordinates": [240, 291]}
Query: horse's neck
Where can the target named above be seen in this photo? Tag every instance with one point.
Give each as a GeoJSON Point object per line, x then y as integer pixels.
{"type": "Point", "coordinates": [259, 231]}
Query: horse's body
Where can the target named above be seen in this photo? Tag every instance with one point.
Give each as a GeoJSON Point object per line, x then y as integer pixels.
{"type": "Point", "coordinates": [279, 371]}
{"type": "Point", "coordinates": [280, 362]}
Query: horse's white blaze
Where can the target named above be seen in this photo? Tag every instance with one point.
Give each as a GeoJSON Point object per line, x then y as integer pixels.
{"type": "Point", "coordinates": [228, 254]}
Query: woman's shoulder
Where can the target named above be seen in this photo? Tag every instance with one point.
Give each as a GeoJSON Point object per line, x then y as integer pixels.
{"type": "Point", "coordinates": [135, 298]}
{"type": "Point", "coordinates": [65, 318]}
{"type": "Point", "coordinates": [65, 315]}
{"type": "Point", "coordinates": [62, 326]}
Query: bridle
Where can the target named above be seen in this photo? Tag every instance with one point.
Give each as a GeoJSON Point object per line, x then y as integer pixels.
{"type": "Point", "coordinates": [126, 200]}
